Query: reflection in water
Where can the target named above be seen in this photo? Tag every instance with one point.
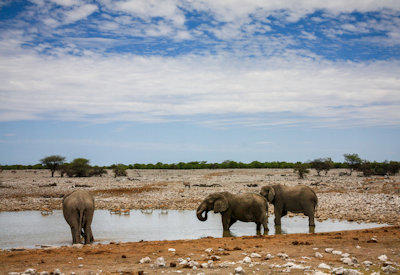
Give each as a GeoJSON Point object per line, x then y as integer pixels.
{"type": "Point", "coordinates": [28, 228]}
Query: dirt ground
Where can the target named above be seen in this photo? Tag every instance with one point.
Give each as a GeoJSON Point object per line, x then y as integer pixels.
{"type": "Point", "coordinates": [226, 255]}
{"type": "Point", "coordinates": [343, 197]}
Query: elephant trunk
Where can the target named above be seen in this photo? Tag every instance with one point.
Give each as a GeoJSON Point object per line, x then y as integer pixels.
{"type": "Point", "coordinates": [200, 211]}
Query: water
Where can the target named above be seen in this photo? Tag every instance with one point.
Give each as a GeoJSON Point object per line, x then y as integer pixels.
{"type": "Point", "coordinates": [30, 228]}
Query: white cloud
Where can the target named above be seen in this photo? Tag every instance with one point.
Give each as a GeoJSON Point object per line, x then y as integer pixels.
{"type": "Point", "coordinates": [136, 88]}
{"type": "Point", "coordinates": [79, 13]}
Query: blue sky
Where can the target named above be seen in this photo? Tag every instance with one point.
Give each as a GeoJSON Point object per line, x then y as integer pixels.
{"type": "Point", "coordinates": [148, 81]}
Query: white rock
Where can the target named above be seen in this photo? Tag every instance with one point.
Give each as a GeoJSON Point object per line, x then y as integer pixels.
{"type": "Point", "coordinates": [389, 269]}
{"type": "Point", "coordinates": [183, 262]}
{"type": "Point", "coordinates": [160, 262]}
{"type": "Point", "coordinates": [44, 273]}
{"type": "Point", "coordinates": [318, 255]}
{"type": "Point", "coordinates": [315, 248]}
{"type": "Point", "coordinates": [193, 263]}
{"type": "Point", "coordinates": [338, 270]}
{"type": "Point", "coordinates": [247, 260]}
{"type": "Point", "coordinates": [345, 255]}
{"type": "Point", "coordinates": [145, 260]}
{"type": "Point", "coordinates": [209, 250]}
{"type": "Point", "coordinates": [324, 266]}
{"type": "Point", "coordinates": [30, 271]}
{"type": "Point", "coordinates": [80, 258]}
{"type": "Point", "coordinates": [347, 261]}
{"type": "Point", "coordinates": [268, 256]}
{"type": "Point", "coordinates": [77, 245]}
{"type": "Point", "coordinates": [239, 270]}
{"type": "Point", "coordinates": [383, 258]}
{"type": "Point", "coordinates": [204, 265]}
{"type": "Point", "coordinates": [375, 273]}
{"type": "Point", "coordinates": [194, 268]}
{"type": "Point", "coordinates": [56, 271]}
{"type": "Point", "coordinates": [282, 255]}
{"type": "Point", "coordinates": [352, 272]}
{"type": "Point", "coordinates": [306, 258]}
{"type": "Point", "coordinates": [171, 249]}
{"type": "Point", "coordinates": [13, 273]}
{"type": "Point", "coordinates": [274, 266]}
{"type": "Point", "coordinates": [80, 266]}
{"type": "Point", "coordinates": [255, 255]}
{"type": "Point", "coordinates": [337, 252]}
{"type": "Point", "coordinates": [367, 263]}
{"type": "Point", "coordinates": [358, 247]}
{"type": "Point", "coordinates": [319, 273]}
{"type": "Point", "coordinates": [328, 250]}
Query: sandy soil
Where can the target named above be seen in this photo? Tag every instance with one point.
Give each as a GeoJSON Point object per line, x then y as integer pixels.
{"type": "Point", "coordinates": [226, 255]}
{"type": "Point", "coordinates": [354, 198]}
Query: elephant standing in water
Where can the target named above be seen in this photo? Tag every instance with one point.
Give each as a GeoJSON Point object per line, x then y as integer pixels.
{"type": "Point", "coordinates": [247, 207]}
{"type": "Point", "coordinates": [296, 199]}
{"type": "Point", "coordinates": [78, 209]}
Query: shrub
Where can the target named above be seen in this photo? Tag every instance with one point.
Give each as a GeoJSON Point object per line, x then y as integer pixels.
{"type": "Point", "coordinates": [353, 161]}
{"type": "Point", "coordinates": [301, 169]}
{"type": "Point", "coordinates": [79, 167]}
{"type": "Point", "coordinates": [52, 162]}
{"type": "Point", "coordinates": [322, 164]}
{"type": "Point", "coordinates": [119, 170]}
{"type": "Point", "coordinates": [97, 171]}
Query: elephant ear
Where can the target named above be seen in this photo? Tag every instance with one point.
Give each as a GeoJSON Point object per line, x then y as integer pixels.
{"type": "Point", "coordinates": [271, 194]}
{"type": "Point", "coordinates": [220, 205]}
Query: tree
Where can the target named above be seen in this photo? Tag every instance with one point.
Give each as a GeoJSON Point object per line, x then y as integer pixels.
{"type": "Point", "coordinates": [79, 167]}
{"type": "Point", "coordinates": [301, 169]}
{"type": "Point", "coordinates": [353, 161]}
{"type": "Point", "coordinates": [119, 170]}
{"type": "Point", "coordinates": [322, 164]}
{"type": "Point", "coordinates": [52, 162]}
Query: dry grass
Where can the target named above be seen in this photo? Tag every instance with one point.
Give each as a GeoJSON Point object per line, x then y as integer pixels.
{"type": "Point", "coordinates": [128, 191]}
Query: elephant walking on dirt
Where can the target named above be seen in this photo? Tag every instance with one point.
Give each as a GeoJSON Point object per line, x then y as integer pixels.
{"type": "Point", "coordinates": [78, 209]}
{"type": "Point", "coordinates": [247, 207]}
{"type": "Point", "coordinates": [296, 199]}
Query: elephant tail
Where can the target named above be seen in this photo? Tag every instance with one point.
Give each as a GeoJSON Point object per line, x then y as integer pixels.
{"type": "Point", "coordinates": [81, 219]}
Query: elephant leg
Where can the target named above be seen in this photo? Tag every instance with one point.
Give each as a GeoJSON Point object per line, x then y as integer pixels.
{"type": "Point", "coordinates": [88, 229]}
{"type": "Point", "coordinates": [226, 219]}
{"type": "Point", "coordinates": [277, 213]}
{"type": "Point", "coordinates": [232, 222]}
{"type": "Point", "coordinates": [310, 213]}
{"type": "Point", "coordinates": [284, 213]}
{"type": "Point", "coordinates": [258, 228]}
{"type": "Point", "coordinates": [265, 224]}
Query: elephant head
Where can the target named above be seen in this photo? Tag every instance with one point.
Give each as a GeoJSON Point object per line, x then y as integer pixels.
{"type": "Point", "coordinates": [217, 202]}
{"type": "Point", "coordinates": [268, 192]}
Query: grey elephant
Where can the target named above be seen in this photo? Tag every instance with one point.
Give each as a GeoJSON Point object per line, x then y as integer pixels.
{"type": "Point", "coordinates": [248, 207]}
{"type": "Point", "coordinates": [296, 199]}
{"type": "Point", "coordinates": [78, 209]}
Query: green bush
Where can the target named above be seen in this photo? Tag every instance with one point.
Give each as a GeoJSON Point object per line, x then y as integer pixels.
{"type": "Point", "coordinates": [52, 162]}
{"type": "Point", "coordinates": [322, 164]}
{"type": "Point", "coordinates": [119, 170]}
{"type": "Point", "coordinates": [301, 169]}
{"type": "Point", "coordinates": [79, 167]}
{"type": "Point", "coordinates": [353, 161]}
{"type": "Point", "coordinates": [97, 171]}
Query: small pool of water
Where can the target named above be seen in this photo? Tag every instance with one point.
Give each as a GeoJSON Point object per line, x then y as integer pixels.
{"type": "Point", "coordinates": [29, 228]}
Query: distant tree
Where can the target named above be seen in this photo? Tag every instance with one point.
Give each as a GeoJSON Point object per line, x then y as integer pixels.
{"type": "Point", "coordinates": [322, 164]}
{"type": "Point", "coordinates": [353, 161]}
{"type": "Point", "coordinates": [393, 167]}
{"type": "Point", "coordinates": [79, 167]}
{"type": "Point", "coordinates": [52, 162]}
{"type": "Point", "coordinates": [97, 171]}
{"type": "Point", "coordinates": [120, 170]}
{"type": "Point", "coordinates": [301, 169]}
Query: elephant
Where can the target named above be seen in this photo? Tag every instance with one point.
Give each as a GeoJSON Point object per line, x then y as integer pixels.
{"type": "Point", "coordinates": [248, 207]}
{"type": "Point", "coordinates": [296, 199]}
{"type": "Point", "coordinates": [78, 209]}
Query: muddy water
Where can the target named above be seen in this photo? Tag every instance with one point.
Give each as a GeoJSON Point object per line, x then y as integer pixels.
{"type": "Point", "coordinates": [30, 229]}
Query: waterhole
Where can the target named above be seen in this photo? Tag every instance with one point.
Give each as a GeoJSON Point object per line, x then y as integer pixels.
{"type": "Point", "coordinates": [30, 229]}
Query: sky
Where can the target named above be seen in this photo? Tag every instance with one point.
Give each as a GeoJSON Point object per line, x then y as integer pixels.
{"type": "Point", "coordinates": [143, 81]}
